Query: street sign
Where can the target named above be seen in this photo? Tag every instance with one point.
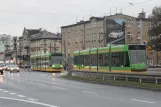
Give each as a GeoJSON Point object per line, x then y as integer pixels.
{"type": "Point", "coordinates": [149, 48]}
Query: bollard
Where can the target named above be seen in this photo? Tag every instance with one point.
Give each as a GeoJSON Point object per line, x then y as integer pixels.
{"type": "Point", "coordinates": [103, 78]}
{"type": "Point", "coordinates": [126, 79]}
{"type": "Point", "coordinates": [114, 78]}
{"type": "Point", "coordinates": [140, 80]}
{"type": "Point", "coordinates": [156, 81]}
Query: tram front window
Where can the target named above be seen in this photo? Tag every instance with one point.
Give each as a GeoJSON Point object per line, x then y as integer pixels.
{"type": "Point", "coordinates": [56, 59]}
{"type": "Point", "coordinates": [137, 56]}
{"type": "Point", "coordinates": [137, 53]}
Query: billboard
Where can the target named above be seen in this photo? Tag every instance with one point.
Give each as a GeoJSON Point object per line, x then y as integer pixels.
{"type": "Point", "coordinates": [115, 33]}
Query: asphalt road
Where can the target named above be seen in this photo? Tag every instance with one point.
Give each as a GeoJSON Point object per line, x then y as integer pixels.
{"type": "Point", "coordinates": [154, 71]}
{"type": "Point", "coordinates": [40, 89]}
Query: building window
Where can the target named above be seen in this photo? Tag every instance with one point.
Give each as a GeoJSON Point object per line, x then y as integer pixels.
{"type": "Point", "coordinates": [139, 35]}
{"type": "Point", "coordinates": [128, 23]}
{"type": "Point", "coordinates": [95, 24]}
{"type": "Point", "coordinates": [150, 62]}
{"type": "Point", "coordinates": [101, 23]}
{"type": "Point", "coordinates": [101, 30]}
{"type": "Point", "coordinates": [76, 38]}
{"type": "Point", "coordinates": [138, 24]}
{"type": "Point", "coordinates": [132, 21]}
{"type": "Point", "coordinates": [95, 37]}
{"type": "Point", "coordinates": [129, 36]}
{"type": "Point", "coordinates": [68, 51]}
{"type": "Point", "coordinates": [150, 24]}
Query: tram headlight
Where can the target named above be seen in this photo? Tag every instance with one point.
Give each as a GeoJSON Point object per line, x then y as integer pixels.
{"type": "Point", "coordinates": [53, 66]}
{"type": "Point", "coordinates": [61, 65]}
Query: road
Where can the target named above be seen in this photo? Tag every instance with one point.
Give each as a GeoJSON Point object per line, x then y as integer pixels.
{"type": "Point", "coordinates": [40, 89]}
{"type": "Point", "coordinates": [156, 71]}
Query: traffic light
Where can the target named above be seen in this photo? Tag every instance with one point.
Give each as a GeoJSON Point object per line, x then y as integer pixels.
{"type": "Point", "coordinates": [123, 27]}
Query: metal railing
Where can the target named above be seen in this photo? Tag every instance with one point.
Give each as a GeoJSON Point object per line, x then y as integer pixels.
{"type": "Point", "coordinates": [141, 78]}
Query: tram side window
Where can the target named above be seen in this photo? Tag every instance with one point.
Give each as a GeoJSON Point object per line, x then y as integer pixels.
{"type": "Point", "coordinates": [104, 59]}
{"type": "Point", "coordinates": [86, 60]}
{"type": "Point", "coordinates": [120, 59]}
{"type": "Point", "coordinates": [76, 60]}
{"type": "Point", "coordinates": [127, 61]}
{"type": "Point", "coordinates": [93, 60]}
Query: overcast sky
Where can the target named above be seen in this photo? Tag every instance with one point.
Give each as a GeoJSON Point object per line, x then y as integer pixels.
{"type": "Point", "coordinates": [51, 14]}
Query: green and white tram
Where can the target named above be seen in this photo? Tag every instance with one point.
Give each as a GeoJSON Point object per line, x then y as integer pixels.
{"type": "Point", "coordinates": [51, 62]}
{"type": "Point", "coordinates": [114, 58]}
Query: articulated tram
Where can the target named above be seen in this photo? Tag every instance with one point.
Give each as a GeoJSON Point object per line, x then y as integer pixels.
{"type": "Point", "coordinates": [114, 58]}
{"type": "Point", "coordinates": [51, 62]}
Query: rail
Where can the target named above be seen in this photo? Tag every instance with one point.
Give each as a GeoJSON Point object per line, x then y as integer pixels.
{"type": "Point", "coordinates": [141, 78]}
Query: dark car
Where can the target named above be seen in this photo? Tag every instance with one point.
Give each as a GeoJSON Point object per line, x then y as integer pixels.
{"type": "Point", "coordinates": [1, 68]}
{"type": "Point", "coordinates": [13, 68]}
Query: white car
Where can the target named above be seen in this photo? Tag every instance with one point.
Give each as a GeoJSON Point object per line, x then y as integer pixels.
{"type": "Point", "coordinates": [116, 34]}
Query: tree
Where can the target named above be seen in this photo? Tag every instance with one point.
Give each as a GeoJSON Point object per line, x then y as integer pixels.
{"type": "Point", "coordinates": [155, 31]}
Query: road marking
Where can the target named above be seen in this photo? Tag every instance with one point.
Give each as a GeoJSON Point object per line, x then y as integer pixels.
{"type": "Point", "coordinates": [59, 87]}
{"type": "Point", "coordinates": [32, 102]}
{"type": "Point", "coordinates": [89, 92]}
{"type": "Point", "coordinates": [5, 91]}
{"type": "Point", "coordinates": [22, 96]}
{"type": "Point", "coordinates": [143, 101]}
{"type": "Point", "coordinates": [32, 99]}
{"type": "Point", "coordinates": [12, 93]}
{"type": "Point", "coordinates": [41, 84]}
{"type": "Point", "coordinates": [1, 89]}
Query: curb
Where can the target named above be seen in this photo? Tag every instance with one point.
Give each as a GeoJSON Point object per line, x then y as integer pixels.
{"type": "Point", "coordinates": [113, 84]}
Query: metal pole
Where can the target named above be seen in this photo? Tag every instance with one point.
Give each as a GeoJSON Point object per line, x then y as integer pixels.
{"type": "Point", "coordinates": [141, 35]}
{"type": "Point", "coordinates": [15, 43]}
{"type": "Point", "coordinates": [45, 53]}
{"type": "Point", "coordinates": [50, 46]}
{"type": "Point", "coordinates": [20, 58]}
{"type": "Point", "coordinates": [84, 37]}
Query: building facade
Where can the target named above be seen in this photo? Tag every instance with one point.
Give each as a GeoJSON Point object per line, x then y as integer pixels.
{"type": "Point", "coordinates": [36, 41]}
{"type": "Point", "coordinates": [83, 35]}
{"type": "Point", "coordinates": [42, 44]}
{"type": "Point", "coordinates": [94, 33]}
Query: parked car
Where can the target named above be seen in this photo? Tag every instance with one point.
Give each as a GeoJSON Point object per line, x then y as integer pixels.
{"type": "Point", "coordinates": [1, 69]}
{"type": "Point", "coordinates": [13, 68]}
{"type": "Point", "coordinates": [157, 66]}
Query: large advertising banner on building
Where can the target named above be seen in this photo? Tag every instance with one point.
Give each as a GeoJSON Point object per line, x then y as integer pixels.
{"type": "Point", "coordinates": [115, 33]}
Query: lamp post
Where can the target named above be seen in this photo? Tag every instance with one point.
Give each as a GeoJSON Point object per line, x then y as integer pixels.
{"type": "Point", "coordinates": [15, 45]}
{"type": "Point", "coordinates": [20, 57]}
{"type": "Point", "coordinates": [3, 40]}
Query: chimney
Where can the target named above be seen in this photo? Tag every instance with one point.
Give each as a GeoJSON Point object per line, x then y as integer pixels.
{"type": "Point", "coordinates": [40, 29]}
{"type": "Point", "coordinates": [142, 15]}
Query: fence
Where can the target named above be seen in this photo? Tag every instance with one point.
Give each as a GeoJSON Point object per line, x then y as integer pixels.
{"type": "Point", "coordinates": [141, 78]}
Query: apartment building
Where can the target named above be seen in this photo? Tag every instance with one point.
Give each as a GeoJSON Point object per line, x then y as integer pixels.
{"type": "Point", "coordinates": [82, 35]}
{"type": "Point", "coordinates": [134, 27]}
{"type": "Point", "coordinates": [45, 44]}
{"type": "Point", "coordinates": [94, 33]}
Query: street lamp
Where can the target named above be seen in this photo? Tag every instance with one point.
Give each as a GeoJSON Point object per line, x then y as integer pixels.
{"type": "Point", "coordinates": [3, 40]}
{"type": "Point", "coordinates": [15, 45]}
{"type": "Point", "coordinates": [20, 57]}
